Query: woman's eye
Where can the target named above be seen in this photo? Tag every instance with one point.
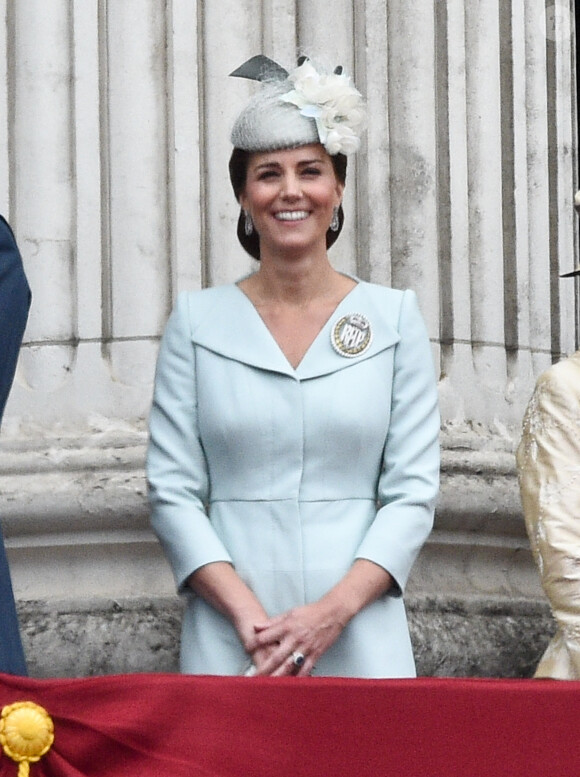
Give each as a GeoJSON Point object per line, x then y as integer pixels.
{"type": "Point", "coordinates": [266, 174]}
{"type": "Point", "coordinates": [312, 171]}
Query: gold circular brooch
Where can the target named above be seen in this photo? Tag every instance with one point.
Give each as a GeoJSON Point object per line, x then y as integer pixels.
{"type": "Point", "coordinates": [26, 733]}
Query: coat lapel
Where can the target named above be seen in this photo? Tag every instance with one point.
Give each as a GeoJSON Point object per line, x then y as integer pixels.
{"type": "Point", "coordinates": [322, 359]}
{"type": "Point", "coordinates": [227, 323]}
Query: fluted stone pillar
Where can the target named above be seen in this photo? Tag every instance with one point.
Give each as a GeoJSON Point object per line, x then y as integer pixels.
{"type": "Point", "coordinates": [114, 130]}
{"type": "Point", "coordinates": [42, 189]}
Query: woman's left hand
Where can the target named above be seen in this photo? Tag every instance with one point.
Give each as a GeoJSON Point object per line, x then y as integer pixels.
{"type": "Point", "coordinates": [308, 631]}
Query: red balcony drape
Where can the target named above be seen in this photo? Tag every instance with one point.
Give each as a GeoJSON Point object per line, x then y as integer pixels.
{"type": "Point", "coordinates": [176, 726]}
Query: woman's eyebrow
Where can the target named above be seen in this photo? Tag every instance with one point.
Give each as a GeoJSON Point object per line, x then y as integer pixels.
{"type": "Point", "coordinates": [264, 165]}
{"type": "Point", "coordinates": [301, 163]}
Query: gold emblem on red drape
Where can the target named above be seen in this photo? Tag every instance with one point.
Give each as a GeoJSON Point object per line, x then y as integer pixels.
{"type": "Point", "coordinates": [26, 733]}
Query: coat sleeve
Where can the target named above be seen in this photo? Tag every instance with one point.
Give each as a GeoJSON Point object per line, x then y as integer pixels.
{"type": "Point", "coordinates": [409, 480]}
{"type": "Point", "coordinates": [14, 304]}
{"type": "Point", "coordinates": [177, 473]}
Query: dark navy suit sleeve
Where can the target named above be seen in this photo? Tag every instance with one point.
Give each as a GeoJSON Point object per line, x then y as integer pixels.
{"type": "Point", "coordinates": [14, 305]}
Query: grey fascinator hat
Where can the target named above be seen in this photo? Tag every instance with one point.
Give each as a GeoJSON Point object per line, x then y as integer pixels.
{"type": "Point", "coordinates": [292, 109]}
{"type": "Point", "coordinates": [299, 107]}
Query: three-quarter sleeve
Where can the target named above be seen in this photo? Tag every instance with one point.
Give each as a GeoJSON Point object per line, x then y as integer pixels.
{"type": "Point", "coordinates": [176, 466]}
{"type": "Point", "coordinates": [409, 479]}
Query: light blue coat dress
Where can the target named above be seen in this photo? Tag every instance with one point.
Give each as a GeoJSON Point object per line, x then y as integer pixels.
{"type": "Point", "coordinates": [292, 474]}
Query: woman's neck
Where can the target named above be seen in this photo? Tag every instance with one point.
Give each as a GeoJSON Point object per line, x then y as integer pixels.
{"type": "Point", "coordinates": [297, 282]}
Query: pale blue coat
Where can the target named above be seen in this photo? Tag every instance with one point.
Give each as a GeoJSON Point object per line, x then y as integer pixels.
{"type": "Point", "coordinates": [291, 474]}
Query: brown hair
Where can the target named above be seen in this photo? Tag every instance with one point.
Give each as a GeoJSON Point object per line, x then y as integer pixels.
{"type": "Point", "coordinates": [238, 167]}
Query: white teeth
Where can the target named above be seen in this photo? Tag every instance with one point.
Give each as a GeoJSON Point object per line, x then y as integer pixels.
{"type": "Point", "coordinates": [291, 215]}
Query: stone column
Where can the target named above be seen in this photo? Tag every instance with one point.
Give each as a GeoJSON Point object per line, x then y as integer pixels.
{"type": "Point", "coordinates": [42, 188]}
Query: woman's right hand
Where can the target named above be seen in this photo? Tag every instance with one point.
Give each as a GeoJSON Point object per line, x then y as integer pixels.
{"type": "Point", "coordinates": [219, 584]}
{"type": "Point", "coordinates": [258, 655]}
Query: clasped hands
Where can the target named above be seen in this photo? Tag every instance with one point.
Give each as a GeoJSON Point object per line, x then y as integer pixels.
{"type": "Point", "coordinates": [276, 642]}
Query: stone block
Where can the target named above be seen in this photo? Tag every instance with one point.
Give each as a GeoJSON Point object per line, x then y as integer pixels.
{"type": "Point", "coordinates": [451, 637]}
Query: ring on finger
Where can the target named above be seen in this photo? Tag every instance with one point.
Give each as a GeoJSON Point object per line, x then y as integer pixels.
{"type": "Point", "coordinates": [298, 658]}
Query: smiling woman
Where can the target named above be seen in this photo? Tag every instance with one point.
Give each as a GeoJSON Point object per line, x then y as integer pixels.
{"type": "Point", "coordinates": [291, 196]}
{"type": "Point", "coordinates": [293, 459]}
{"type": "Point", "coordinates": [248, 237]}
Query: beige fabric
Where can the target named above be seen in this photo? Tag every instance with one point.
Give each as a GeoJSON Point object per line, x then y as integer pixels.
{"type": "Point", "coordinates": [548, 459]}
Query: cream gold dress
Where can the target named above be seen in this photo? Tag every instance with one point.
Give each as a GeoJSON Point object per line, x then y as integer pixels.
{"type": "Point", "coordinates": [548, 460]}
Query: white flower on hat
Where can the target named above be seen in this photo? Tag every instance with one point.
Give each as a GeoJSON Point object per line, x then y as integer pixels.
{"type": "Point", "coordinates": [334, 104]}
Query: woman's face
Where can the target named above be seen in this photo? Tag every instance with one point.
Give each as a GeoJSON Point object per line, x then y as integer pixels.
{"type": "Point", "coordinates": [290, 195]}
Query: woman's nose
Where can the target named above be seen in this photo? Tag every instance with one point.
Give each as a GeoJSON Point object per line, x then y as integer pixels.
{"type": "Point", "coordinates": [291, 187]}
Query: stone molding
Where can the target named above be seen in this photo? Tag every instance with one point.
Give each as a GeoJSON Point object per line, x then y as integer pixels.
{"type": "Point", "coordinates": [95, 594]}
{"type": "Point", "coordinates": [74, 510]}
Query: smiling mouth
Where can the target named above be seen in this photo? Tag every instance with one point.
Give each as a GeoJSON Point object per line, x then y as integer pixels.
{"type": "Point", "coordinates": [291, 215]}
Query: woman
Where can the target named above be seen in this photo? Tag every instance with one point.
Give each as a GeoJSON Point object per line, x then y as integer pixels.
{"type": "Point", "coordinates": [548, 461]}
{"type": "Point", "coordinates": [293, 459]}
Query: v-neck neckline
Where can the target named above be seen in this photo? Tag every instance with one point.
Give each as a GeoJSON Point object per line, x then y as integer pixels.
{"type": "Point", "coordinates": [318, 335]}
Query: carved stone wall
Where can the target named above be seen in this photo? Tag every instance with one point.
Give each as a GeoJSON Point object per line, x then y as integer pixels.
{"type": "Point", "coordinates": [114, 140]}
